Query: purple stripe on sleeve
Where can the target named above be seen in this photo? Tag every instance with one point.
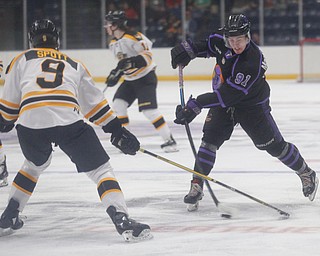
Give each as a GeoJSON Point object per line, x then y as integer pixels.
{"type": "Point", "coordinates": [239, 88]}
{"type": "Point", "coordinates": [210, 37]}
{"type": "Point", "coordinates": [264, 101]}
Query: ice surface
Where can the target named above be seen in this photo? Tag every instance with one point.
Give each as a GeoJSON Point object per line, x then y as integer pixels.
{"type": "Point", "coordinates": [64, 215]}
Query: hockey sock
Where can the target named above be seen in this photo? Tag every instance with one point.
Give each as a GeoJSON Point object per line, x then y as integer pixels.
{"type": "Point", "coordinates": [158, 122]}
{"type": "Point", "coordinates": [206, 158]}
{"type": "Point", "coordinates": [291, 157]}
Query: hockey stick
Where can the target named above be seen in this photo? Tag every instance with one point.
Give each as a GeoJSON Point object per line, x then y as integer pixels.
{"type": "Point", "coordinates": [215, 199]}
{"type": "Point", "coordinates": [284, 214]}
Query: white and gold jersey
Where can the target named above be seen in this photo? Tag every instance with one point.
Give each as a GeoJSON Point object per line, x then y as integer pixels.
{"type": "Point", "coordinates": [130, 45]}
{"type": "Point", "coordinates": [45, 88]}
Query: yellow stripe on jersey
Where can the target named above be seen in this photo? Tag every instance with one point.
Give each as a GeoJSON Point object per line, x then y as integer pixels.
{"type": "Point", "coordinates": [104, 118]}
{"type": "Point", "coordinates": [148, 54]}
{"type": "Point", "coordinates": [14, 60]}
{"type": "Point", "coordinates": [9, 117]}
{"type": "Point", "coordinates": [100, 113]}
{"type": "Point", "coordinates": [48, 104]}
{"type": "Point", "coordinates": [9, 104]}
{"type": "Point", "coordinates": [48, 92]}
{"type": "Point", "coordinates": [130, 37]}
{"type": "Point", "coordinates": [96, 109]}
{"type": "Point", "coordinates": [9, 110]}
{"type": "Point", "coordinates": [48, 98]}
{"type": "Point", "coordinates": [133, 74]}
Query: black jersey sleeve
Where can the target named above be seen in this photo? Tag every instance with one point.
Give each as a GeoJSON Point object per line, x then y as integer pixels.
{"type": "Point", "coordinates": [208, 47]}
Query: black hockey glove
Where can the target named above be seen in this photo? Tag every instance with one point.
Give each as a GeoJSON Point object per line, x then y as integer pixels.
{"type": "Point", "coordinates": [5, 126]}
{"type": "Point", "coordinates": [188, 113]}
{"type": "Point", "coordinates": [121, 137]}
{"type": "Point", "coordinates": [114, 77]}
{"type": "Point", "coordinates": [183, 53]}
{"type": "Point", "coordinates": [125, 141]}
{"type": "Point", "coordinates": [132, 62]}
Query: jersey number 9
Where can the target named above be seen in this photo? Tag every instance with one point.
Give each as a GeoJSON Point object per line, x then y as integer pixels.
{"type": "Point", "coordinates": [53, 70]}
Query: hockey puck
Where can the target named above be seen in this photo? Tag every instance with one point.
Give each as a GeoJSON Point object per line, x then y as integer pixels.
{"type": "Point", "coordinates": [225, 215]}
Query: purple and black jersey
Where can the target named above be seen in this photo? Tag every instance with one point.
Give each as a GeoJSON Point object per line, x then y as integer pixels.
{"type": "Point", "coordinates": [239, 79]}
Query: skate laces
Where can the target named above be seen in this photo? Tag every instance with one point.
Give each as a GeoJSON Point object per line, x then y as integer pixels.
{"type": "Point", "coordinates": [195, 189]}
{"type": "Point", "coordinates": [307, 178]}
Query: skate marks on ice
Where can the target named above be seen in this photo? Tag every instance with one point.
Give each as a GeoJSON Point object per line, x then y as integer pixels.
{"type": "Point", "coordinates": [165, 214]}
{"type": "Point", "coordinates": [81, 220]}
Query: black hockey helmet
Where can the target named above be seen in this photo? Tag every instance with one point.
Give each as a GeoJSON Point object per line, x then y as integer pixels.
{"type": "Point", "coordinates": [236, 25]}
{"type": "Point", "coordinates": [44, 34]}
{"type": "Point", "coordinates": [117, 18]}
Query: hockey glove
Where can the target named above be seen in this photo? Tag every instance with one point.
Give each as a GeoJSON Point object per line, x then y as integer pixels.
{"type": "Point", "coordinates": [114, 77]}
{"type": "Point", "coordinates": [183, 53]}
{"type": "Point", "coordinates": [121, 137]}
{"type": "Point", "coordinates": [5, 126]}
{"type": "Point", "coordinates": [125, 141]}
{"type": "Point", "coordinates": [132, 62]}
{"type": "Point", "coordinates": [188, 113]}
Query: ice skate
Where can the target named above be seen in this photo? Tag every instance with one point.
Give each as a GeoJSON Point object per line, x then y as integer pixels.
{"type": "Point", "coordinates": [131, 230]}
{"type": "Point", "coordinates": [10, 220]}
{"type": "Point", "coordinates": [3, 174]}
{"type": "Point", "coordinates": [194, 196]}
{"type": "Point", "coordinates": [309, 183]}
{"type": "Point", "coordinates": [170, 145]}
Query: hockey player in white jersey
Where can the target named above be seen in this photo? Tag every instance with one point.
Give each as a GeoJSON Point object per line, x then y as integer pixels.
{"type": "Point", "coordinates": [47, 95]}
{"type": "Point", "coordinates": [136, 66]}
{"type": "Point", "coordinates": [3, 164]}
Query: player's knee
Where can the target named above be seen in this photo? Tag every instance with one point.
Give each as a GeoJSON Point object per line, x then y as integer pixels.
{"type": "Point", "coordinates": [151, 114]}
{"type": "Point", "coordinates": [120, 106]}
{"type": "Point", "coordinates": [35, 169]}
{"type": "Point", "coordinates": [100, 173]}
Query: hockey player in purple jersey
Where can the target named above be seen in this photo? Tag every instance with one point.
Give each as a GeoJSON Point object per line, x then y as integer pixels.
{"type": "Point", "coordinates": [240, 96]}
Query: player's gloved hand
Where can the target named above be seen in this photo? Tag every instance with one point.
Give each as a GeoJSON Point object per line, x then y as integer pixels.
{"type": "Point", "coordinates": [114, 77]}
{"type": "Point", "coordinates": [125, 141]}
{"type": "Point", "coordinates": [4, 126]}
{"type": "Point", "coordinates": [132, 62]}
{"type": "Point", "coordinates": [188, 113]}
{"type": "Point", "coordinates": [121, 137]}
{"type": "Point", "coordinates": [183, 53]}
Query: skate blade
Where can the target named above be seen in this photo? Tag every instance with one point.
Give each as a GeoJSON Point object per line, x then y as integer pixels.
{"type": "Point", "coordinates": [193, 207]}
{"type": "Point", "coordinates": [313, 194]}
{"type": "Point", "coordinates": [6, 231]}
{"type": "Point", "coordinates": [170, 149]}
{"type": "Point", "coordinates": [143, 236]}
